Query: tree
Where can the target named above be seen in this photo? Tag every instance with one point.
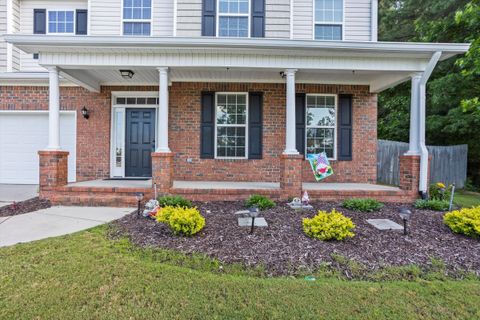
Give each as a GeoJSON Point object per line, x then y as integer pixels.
{"type": "Point", "coordinates": [453, 103]}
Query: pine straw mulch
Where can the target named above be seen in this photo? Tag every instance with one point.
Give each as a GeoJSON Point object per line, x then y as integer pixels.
{"type": "Point", "coordinates": [283, 249]}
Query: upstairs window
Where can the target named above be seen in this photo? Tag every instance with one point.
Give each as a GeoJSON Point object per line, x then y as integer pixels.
{"type": "Point", "coordinates": [233, 18]}
{"type": "Point", "coordinates": [137, 17]}
{"type": "Point", "coordinates": [61, 22]}
{"type": "Point", "coordinates": [328, 19]}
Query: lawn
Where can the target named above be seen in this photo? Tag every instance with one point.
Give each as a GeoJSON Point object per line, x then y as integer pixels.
{"type": "Point", "coordinates": [88, 276]}
{"type": "Point", "coordinates": [467, 199]}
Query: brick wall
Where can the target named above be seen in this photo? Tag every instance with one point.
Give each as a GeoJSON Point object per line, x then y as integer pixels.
{"type": "Point", "coordinates": [93, 135]}
{"type": "Point", "coordinates": [185, 139]}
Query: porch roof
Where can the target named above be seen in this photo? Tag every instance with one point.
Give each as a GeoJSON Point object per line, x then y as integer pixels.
{"type": "Point", "coordinates": [91, 61]}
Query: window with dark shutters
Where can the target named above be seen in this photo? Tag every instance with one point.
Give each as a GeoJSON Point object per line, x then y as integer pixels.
{"type": "Point", "coordinates": [300, 105]}
{"type": "Point", "coordinates": [258, 18]}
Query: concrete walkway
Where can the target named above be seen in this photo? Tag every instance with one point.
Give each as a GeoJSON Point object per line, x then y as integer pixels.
{"type": "Point", "coordinates": [54, 222]}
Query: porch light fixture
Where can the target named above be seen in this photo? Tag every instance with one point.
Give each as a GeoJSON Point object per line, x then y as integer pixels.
{"type": "Point", "coordinates": [85, 113]}
{"type": "Point", "coordinates": [405, 215]}
{"type": "Point", "coordinates": [127, 74]}
{"type": "Point", "coordinates": [139, 197]}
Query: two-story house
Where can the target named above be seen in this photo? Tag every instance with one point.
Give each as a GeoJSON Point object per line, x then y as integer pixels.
{"type": "Point", "coordinates": [211, 99]}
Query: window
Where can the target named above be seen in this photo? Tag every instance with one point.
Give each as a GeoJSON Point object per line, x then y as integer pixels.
{"type": "Point", "coordinates": [328, 19]}
{"type": "Point", "coordinates": [321, 124]}
{"type": "Point", "coordinates": [61, 22]}
{"type": "Point", "coordinates": [233, 18]}
{"type": "Point", "coordinates": [231, 125]}
{"type": "Point", "coordinates": [137, 15]}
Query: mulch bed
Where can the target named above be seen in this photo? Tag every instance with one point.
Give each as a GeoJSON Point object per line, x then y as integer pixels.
{"type": "Point", "coordinates": [282, 248]}
{"type": "Point", "coordinates": [26, 206]}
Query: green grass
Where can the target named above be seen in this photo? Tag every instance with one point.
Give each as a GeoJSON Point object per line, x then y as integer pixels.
{"type": "Point", "coordinates": [86, 276]}
{"type": "Point", "coordinates": [467, 199]}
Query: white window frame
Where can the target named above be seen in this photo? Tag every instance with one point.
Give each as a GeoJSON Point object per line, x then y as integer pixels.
{"type": "Point", "coordinates": [137, 20]}
{"type": "Point", "coordinates": [329, 23]}
{"type": "Point", "coordinates": [232, 125]}
{"type": "Point", "coordinates": [247, 15]}
{"type": "Point", "coordinates": [335, 127]}
{"type": "Point", "coordinates": [60, 10]}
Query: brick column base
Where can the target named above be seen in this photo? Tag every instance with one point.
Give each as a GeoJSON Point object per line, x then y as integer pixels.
{"type": "Point", "coordinates": [53, 168]}
{"type": "Point", "coordinates": [410, 174]}
{"type": "Point", "coordinates": [162, 171]}
{"type": "Point", "coordinates": [291, 175]}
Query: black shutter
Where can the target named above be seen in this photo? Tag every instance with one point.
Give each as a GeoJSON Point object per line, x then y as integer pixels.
{"type": "Point", "coordinates": [255, 125]}
{"type": "Point", "coordinates": [300, 107]}
{"type": "Point", "coordinates": [345, 120]}
{"type": "Point", "coordinates": [207, 127]}
{"type": "Point", "coordinates": [39, 21]}
{"type": "Point", "coordinates": [208, 18]}
{"type": "Point", "coordinates": [81, 21]}
{"type": "Point", "coordinates": [258, 18]}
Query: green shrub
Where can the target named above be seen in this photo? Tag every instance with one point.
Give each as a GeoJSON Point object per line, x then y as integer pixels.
{"type": "Point", "coordinates": [261, 202]}
{"type": "Point", "coordinates": [181, 220]}
{"type": "Point", "coordinates": [174, 201]}
{"type": "Point", "coordinates": [432, 204]}
{"type": "Point", "coordinates": [363, 205]}
{"type": "Point", "coordinates": [439, 191]}
{"type": "Point", "coordinates": [465, 221]}
{"type": "Point", "coordinates": [329, 226]}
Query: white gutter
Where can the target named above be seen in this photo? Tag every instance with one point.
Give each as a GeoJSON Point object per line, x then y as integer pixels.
{"type": "Point", "coordinates": [423, 184]}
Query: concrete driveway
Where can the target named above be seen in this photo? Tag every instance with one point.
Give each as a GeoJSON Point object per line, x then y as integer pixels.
{"type": "Point", "coordinates": [16, 192]}
{"type": "Point", "coordinates": [54, 222]}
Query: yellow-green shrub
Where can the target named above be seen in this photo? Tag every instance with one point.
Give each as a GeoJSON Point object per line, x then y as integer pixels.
{"type": "Point", "coordinates": [465, 221]}
{"type": "Point", "coordinates": [185, 221]}
{"type": "Point", "coordinates": [329, 226]}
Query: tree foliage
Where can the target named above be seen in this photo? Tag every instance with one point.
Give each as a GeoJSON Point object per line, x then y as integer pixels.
{"type": "Point", "coordinates": [453, 92]}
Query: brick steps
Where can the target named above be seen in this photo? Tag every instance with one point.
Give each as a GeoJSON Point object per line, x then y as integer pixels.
{"type": "Point", "coordinates": [95, 196]}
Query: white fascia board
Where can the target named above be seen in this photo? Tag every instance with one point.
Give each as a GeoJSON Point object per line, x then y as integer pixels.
{"type": "Point", "coordinates": [28, 78]}
{"type": "Point", "coordinates": [31, 43]}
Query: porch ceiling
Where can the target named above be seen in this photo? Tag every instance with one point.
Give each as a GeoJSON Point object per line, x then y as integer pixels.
{"type": "Point", "coordinates": [149, 76]}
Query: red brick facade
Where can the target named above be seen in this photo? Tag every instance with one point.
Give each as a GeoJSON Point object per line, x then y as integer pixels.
{"type": "Point", "coordinates": [93, 140]}
{"type": "Point", "coordinates": [53, 168]}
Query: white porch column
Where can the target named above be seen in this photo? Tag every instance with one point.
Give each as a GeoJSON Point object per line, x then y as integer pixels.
{"type": "Point", "coordinates": [414, 141]}
{"type": "Point", "coordinates": [162, 132]}
{"type": "Point", "coordinates": [290, 143]}
{"type": "Point", "coordinates": [53, 110]}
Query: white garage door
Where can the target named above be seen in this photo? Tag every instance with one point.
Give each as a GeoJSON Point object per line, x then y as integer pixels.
{"type": "Point", "coordinates": [22, 134]}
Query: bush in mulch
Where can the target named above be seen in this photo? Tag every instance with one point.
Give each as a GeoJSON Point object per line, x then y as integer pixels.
{"type": "Point", "coordinates": [432, 204]}
{"type": "Point", "coordinates": [282, 248]}
{"type": "Point", "coordinates": [26, 206]}
{"type": "Point", "coordinates": [260, 202]}
{"type": "Point", "coordinates": [363, 205]}
{"type": "Point", "coordinates": [465, 221]}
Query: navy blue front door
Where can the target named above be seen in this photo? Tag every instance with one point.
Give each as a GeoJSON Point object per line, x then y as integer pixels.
{"type": "Point", "coordinates": [140, 142]}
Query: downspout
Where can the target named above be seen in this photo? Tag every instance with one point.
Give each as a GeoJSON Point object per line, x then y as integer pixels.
{"type": "Point", "coordinates": [423, 183]}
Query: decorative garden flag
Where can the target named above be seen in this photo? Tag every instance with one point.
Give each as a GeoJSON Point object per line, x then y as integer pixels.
{"type": "Point", "coordinates": [320, 165]}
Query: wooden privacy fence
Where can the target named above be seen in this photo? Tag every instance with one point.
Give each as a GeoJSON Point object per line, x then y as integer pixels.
{"type": "Point", "coordinates": [448, 165]}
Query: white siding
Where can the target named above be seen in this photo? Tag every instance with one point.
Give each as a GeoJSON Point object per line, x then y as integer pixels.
{"type": "Point", "coordinates": [105, 17]}
{"type": "Point", "coordinates": [358, 20]}
{"type": "Point", "coordinates": [16, 63]}
{"type": "Point", "coordinates": [26, 23]}
{"type": "Point", "coordinates": [277, 19]}
{"type": "Point", "coordinates": [162, 18]}
{"type": "Point", "coordinates": [3, 30]}
{"type": "Point", "coordinates": [303, 19]}
{"type": "Point", "coordinates": [189, 18]}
